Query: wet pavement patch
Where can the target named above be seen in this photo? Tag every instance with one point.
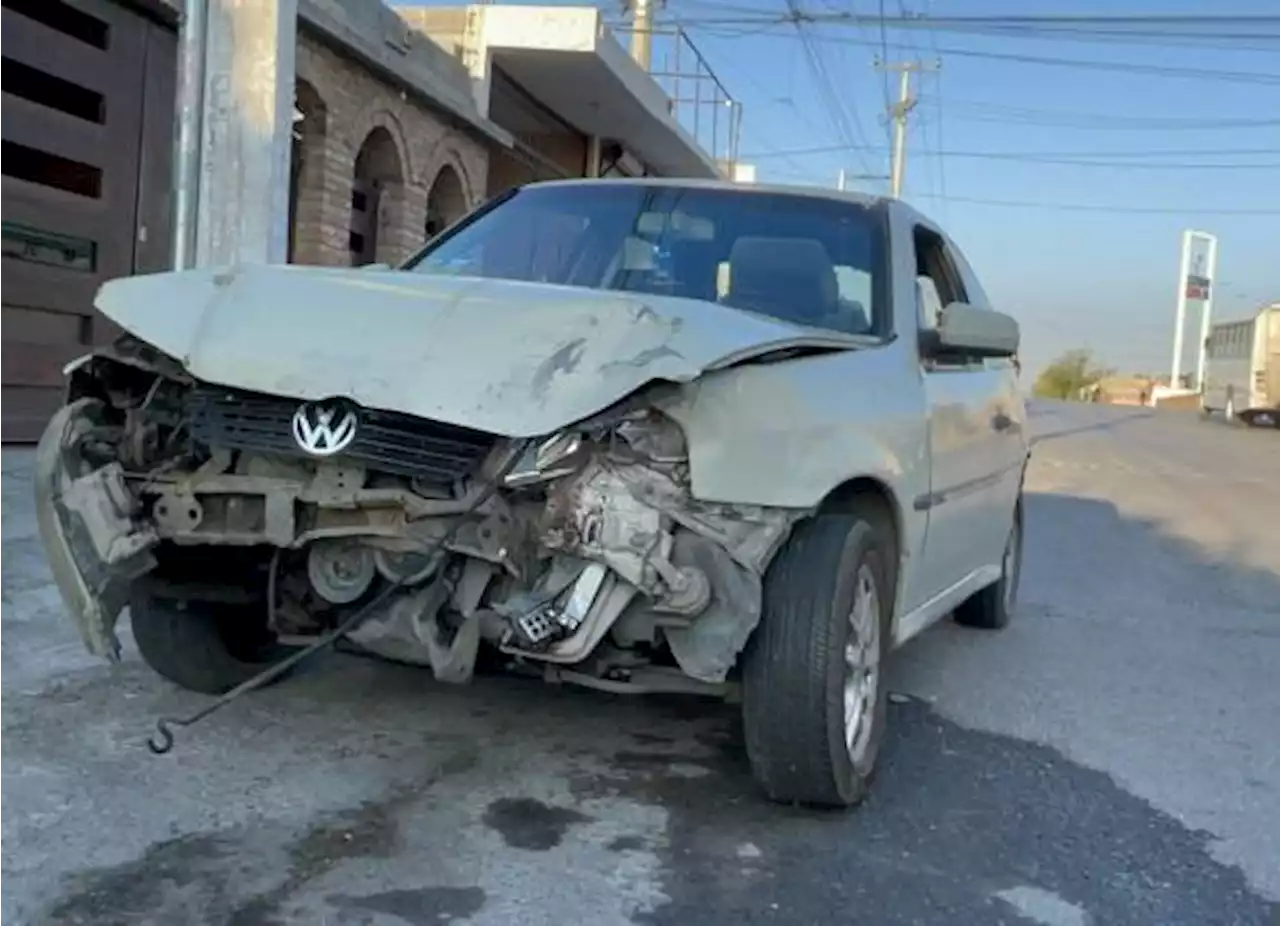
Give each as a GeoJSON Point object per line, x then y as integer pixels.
{"type": "Point", "coordinates": [959, 822]}
{"type": "Point", "coordinates": [424, 906]}
{"type": "Point", "coordinates": [242, 876]}
{"type": "Point", "coordinates": [526, 823]}
{"type": "Point", "coordinates": [198, 866]}
{"type": "Point", "coordinates": [627, 844]}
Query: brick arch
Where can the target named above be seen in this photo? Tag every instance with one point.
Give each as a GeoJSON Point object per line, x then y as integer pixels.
{"type": "Point", "coordinates": [309, 156]}
{"type": "Point", "coordinates": [367, 122]}
{"type": "Point", "coordinates": [447, 155]}
{"type": "Point", "coordinates": [448, 198]}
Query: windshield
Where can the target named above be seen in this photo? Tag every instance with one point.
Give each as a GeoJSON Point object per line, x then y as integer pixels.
{"type": "Point", "coordinates": [803, 259]}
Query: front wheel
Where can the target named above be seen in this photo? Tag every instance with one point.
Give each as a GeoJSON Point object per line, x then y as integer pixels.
{"type": "Point", "coordinates": [813, 688]}
{"type": "Point", "coordinates": [202, 646]}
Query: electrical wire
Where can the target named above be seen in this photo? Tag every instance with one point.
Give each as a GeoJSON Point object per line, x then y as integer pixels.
{"type": "Point", "coordinates": [846, 128]}
{"type": "Point", "coordinates": [983, 111]}
{"type": "Point", "coordinates": [1055, 155]}
{"type": "Point", "coordinates": [1129, 67]}
{"type": "Point", "coordinates": [1127, 210]}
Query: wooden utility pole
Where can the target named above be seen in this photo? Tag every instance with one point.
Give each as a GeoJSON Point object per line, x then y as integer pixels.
{"type": "Point", "coordinates": [899, 111]}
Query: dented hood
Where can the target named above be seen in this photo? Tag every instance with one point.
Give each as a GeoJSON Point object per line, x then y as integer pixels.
{"type": "Point", "coordinates": [511, 358]}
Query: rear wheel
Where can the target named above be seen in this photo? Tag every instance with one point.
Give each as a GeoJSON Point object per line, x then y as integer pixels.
{"type": "Point", "coordinates": [813, 688]}
{"type": "Point", "coordinates": [203, 646]}
{"type": "Point", "coordinates": [991, 608]}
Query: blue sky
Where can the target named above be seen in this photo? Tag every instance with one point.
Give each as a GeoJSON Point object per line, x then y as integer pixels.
{"type": "Point", "coordinates": [1100, 279]}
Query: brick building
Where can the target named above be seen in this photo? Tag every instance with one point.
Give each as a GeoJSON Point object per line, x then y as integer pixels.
{"type": "Point", "coordinates": [404, 120]}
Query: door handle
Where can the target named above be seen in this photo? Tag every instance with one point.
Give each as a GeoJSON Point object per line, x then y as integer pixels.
{"type": "Point", "coordinates": [1001, 422]}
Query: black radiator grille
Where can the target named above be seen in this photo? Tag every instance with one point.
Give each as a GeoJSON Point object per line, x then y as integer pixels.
{"type": "Point", "coordinates": [390, 442]}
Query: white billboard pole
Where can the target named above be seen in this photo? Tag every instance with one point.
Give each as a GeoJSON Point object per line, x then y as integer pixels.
{"type": "Point", "coordinates": [1184, 268]}
{"type": "Point", "coordinates": [1211, 273]}
{"type": "Point", "coordinates": [1195, 282]}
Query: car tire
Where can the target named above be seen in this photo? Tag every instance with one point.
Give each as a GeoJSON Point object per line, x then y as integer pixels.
{"type": "Point", "coordinates": [810, 687]}
{"type": "Point", "coordinates": [993, 607]}
{"type": "Point", "coordinates": [203, 647]}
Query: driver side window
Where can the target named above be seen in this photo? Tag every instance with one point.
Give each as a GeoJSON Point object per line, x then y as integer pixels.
{"type": "Point", "coordinates": [934, 263]}
{"type": "Point", "coordinates": [939, 282]}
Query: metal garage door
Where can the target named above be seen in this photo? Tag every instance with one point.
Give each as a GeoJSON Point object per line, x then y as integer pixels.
{"type": "Point", "coordinates": [88, 113]}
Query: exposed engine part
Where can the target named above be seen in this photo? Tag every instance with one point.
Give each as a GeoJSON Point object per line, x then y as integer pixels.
{"type": "Point", "coordinates": [560, 617]}
{"type": "Point", "coordinates": [410, 630]}
{"type": "Point", "coordinates": [654, 437]}
{"type": "Point", "coordinates": [340, 570]}
{"type": "Point", "coordinates": [105, 508]}
{"type": "Point", "coordinates": [598, 545]}
{"type": "Point", "coordinates": [644, 680]}
{"type": "Point", "coordinates": [559, 455]}
{"type": "Point", "coordinates": [175, 513]}
{"type": "Point", "coordinates": [611, 601]}
{"type": "Point", "coordinates": [707, 647]}
{"type": "Point", "coordinates": [162, 740]}
{"type": "Point", "coordinates": [405, 567]}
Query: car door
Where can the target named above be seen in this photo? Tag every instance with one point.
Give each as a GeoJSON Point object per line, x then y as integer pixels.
{"type": "Point", "coordinates": [968, 416]}
{"type": "Point", "coordinates": [1008, 434]}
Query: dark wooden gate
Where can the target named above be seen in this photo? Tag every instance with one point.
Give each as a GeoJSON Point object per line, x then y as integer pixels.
{"type": "Point", "coordinates": [87, 133]}
{"type": "Point", "coordinates": [363, 239]}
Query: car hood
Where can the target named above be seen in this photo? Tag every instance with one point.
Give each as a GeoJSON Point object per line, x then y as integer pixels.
{"type": "Point", "coordinates": [512, 358]}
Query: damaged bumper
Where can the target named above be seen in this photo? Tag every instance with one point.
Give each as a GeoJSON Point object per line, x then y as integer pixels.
{"type": "Point", "coordinates": [588, 561]}
{"type": "Point", "coordinates": [94, 547]}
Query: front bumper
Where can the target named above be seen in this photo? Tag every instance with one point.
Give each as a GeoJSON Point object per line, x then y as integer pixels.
{"type": "Point", "coordinates": [94, 547]}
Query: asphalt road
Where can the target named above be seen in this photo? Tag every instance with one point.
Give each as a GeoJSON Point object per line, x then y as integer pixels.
{"type": "Point", "coordinates": [1111, 758]}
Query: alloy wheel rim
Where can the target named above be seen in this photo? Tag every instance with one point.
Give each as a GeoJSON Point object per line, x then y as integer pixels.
{"type": "Point", "coordinates": [862, 665]}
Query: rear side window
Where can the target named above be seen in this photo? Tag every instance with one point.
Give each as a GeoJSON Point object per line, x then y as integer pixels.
{"type": "Point", "coordinates": [803, 259]}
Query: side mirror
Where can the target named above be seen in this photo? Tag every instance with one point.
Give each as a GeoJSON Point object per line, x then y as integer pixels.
{"type": "Point", "coordinates": [963, 329]}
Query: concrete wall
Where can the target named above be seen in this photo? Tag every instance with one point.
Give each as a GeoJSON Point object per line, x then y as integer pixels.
{"type": "Point", "coordinates": [445, 26]}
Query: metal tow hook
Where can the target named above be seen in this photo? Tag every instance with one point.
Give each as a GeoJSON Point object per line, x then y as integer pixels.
{"type": "Point", "coordinates": [161, 741]}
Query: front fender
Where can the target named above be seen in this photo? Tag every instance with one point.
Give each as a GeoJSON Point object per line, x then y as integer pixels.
{"type": "Point", "coordinates": [787, 434]}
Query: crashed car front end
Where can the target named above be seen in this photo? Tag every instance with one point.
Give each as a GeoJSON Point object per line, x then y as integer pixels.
{"type": "Point", "coordinates": [581, 552]}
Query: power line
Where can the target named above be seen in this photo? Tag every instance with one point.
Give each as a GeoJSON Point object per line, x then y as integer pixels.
{"type": "Point", "coordinates": [1068, 155]}
{"type": "Point", "coordinates": [906, 20]}
{"type": "Point", "coordinates": [845, 126]}
{"type": "Point", "coordinates": [982, 111]}
{"type": "Point", "coordinates": [1091, 207]}
{"type": "Point", "coordinates": [1247, 77]}
{"type": "Point", "coordinates": [1120, 165]}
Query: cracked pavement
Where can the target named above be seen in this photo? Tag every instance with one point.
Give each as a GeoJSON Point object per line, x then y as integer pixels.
{"type": "Point", "coordinates": [1109, 759]}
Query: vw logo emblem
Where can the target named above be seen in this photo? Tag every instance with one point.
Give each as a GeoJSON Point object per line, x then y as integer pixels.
{"type": "Point", "coordinates": [324, 428]}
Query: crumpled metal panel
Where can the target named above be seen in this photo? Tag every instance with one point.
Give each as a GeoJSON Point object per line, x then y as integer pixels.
{"type": "Point", "coordinates": [510, 358]}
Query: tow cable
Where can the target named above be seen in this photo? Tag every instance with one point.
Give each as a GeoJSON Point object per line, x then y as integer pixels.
{"type": "Point", "coordinates": [161, 741]}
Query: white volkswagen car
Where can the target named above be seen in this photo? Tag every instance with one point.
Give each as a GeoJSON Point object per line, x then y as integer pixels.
{"type": "Point", "coordinates": [640, 435]}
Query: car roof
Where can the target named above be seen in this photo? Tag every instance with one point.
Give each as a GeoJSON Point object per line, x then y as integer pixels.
{"type": "Point", "coordinates": [814, 192]}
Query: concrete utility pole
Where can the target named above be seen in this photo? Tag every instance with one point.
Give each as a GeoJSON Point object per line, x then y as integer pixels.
{"type": "Point", "coordinates": [898, 113]}
{"type": "Point", "coordinates": [642, 33]}
{"type": "Point", "coordinates": [234, 136]}
{"type": "Point", "coordinates": [186, 155]}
